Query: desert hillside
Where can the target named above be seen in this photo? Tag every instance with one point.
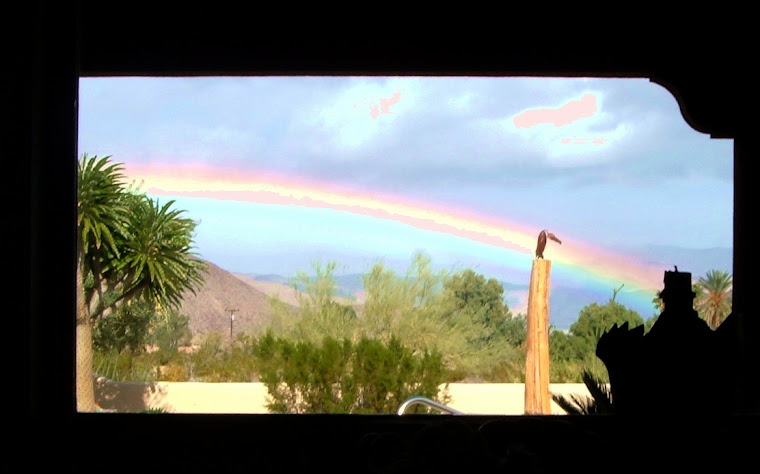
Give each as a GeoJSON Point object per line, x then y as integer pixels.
{"type": "Point", "coordinates": [208, 309]}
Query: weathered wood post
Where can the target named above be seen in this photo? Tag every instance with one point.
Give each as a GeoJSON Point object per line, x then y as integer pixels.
{"type": "Point", "coordinates": [537, 398]}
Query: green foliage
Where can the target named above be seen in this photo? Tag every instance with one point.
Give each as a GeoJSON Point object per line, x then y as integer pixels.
{"type": "Point", "coordinates": [712, 298]}
{"type": "Point", "coordinates": [573, 353]}
{"type": "Point", "coordinates": [157, 262]}
{"type": "Point", "coordinates": [480, 300]}
{"type": "Point", "coordinates": [515, 330]}
{"type": "Point", "coordinates": [402, 305]}
{"type": "Point", "coordinates": [595, 319]}
{"type": "Point", "coordinates": [100, 217]}
{"type": "Point", "coordinates": [129, 246]}
{"type": "Point", "coordinates": [714, 295]}
{"type": "Point", "coordinates": [123, 367]}
{"type": "Point", "coordinates": [126, 329]}
{"type": "Point", "coordinates": [461, 316]}
{"type": "Point", "coordinates": [565, 347]}
{"type": "Point", "coordinates": [342, 377]}
{"type": "Point", "coordinates": [171, 332]}
{"type": "Point", "coordinates": [213, 362]}
{"type": "Point", "coordinates": [319, 314]}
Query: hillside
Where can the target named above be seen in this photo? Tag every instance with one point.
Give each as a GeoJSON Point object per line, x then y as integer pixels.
{"type": "Point", "coordinates": [208, 309]}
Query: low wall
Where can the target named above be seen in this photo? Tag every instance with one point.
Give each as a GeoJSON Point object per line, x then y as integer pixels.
{"type": "Point", "coordinates": [198, 397]}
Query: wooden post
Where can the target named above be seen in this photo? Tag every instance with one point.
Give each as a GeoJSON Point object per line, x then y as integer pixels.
{"type": "Point", "coordinates": [537, 398]}
{"type": "Point", "coordinates": [232, 320]}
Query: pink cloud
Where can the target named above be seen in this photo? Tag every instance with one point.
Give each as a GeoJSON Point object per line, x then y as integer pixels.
{"type": "Point", "coordinates": [385, 104]}
{"type": "Point", "coordinates": [563, 115]}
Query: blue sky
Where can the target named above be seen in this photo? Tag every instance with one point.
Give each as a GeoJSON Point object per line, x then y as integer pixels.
{"type": "Point", "coordinates": [631, 174]}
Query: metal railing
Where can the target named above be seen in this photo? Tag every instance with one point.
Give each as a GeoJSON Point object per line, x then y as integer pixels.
{"type": "Point", "coordinates": [426, 402]}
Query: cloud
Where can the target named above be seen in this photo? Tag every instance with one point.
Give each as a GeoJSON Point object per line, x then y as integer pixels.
{"type": "Point", "coordinates": [366, 111]}
{"type": "Point", "coordinates": [449, 138]}
{"type": "Point", "coordinates": [566, 114]}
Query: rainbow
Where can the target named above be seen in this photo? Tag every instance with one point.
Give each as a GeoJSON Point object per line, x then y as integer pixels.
{"type": "Point", "coordinates": [203, 181]}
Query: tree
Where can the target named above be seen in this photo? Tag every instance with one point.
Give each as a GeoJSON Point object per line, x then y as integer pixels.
{"type": "Point", "coordinates": [171, 332]}
{"type": "Point", "coordinates": [126, 329]}
{"type": "Point", "coordinates": [713, 301]}
{"type": "Point", "coordinates": [564, 347]}
{"type": "Point", "coordinates": [129, 248]}
{"type": "Point", "coordinates": [483, 299]}
{"type": "Point", "coordinates": [595, 319]}
{"type": "Point", "coordinates": [320, 314]}
{"type": "Point", "coordinates": [404, 306]}
{"type": "Point", "coordinates": [157, 262]}
{"type": "Point", "coordinates": [575, 351]}
{"type": "Point", "coordinates": [100, 217]}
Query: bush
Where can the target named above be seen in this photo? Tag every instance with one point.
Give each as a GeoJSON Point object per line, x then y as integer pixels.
{"type": "Point", "coordinates": [171, 332]}
{"type": "Point", "coordinates": [342, 377]}
{"type": "Point", "coordinates": [127, 328]}
{"type": "Point", "coordinates": [123, 367]}
{"type": "Point", "coordinates": [216, 361]}
{"type": "Point", "coordinates": [175, 371]}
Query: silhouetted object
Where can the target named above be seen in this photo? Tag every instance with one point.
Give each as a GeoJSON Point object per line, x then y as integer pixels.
{"type": "Point", "coordinates": [542, 242]}
{"type": "Point", "coordinates": [599, 403]}
{"type": "Point", "coordinates": [679, 367]}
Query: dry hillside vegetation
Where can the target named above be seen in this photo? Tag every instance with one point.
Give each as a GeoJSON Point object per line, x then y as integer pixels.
{"type": "Point", "coordinates": [208, 309]}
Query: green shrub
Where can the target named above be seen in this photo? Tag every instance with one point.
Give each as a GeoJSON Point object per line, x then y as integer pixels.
{"type": "Point", "coordinates": [169, 333]}
{"type": "Point", "coordinates": [215, 361]}
{"type": "Point", "coordinates": [128, 328]}
{"type": "Point", "coordinates": [175, 371]}
{"type": "Point", "coordinates": [344, 377]}
{"type": "Point", "coordinates": [123, 367]}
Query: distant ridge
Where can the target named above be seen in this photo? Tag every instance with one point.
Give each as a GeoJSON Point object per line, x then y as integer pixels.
{"type": "Point", "coordinates": [251, 290]}
{"type": "Point", "coordinates": [208, 309]}
{"type": "Point", "coordinates": [288, 294]}
{"type": "Point", "coordinates": [566, 301]}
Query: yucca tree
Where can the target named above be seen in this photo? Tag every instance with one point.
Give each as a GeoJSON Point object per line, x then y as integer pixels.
{"type": "Point", "coordinates": [714, 300]}
{"type": "Point", "coordinates": [156, 261]}
{"type": "Point", "coordinates": [131, 248]}
{"type": "Point", "coordinates": [100, 220]}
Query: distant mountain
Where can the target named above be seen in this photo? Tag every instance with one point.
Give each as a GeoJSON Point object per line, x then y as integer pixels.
{"type": "Point", "coordinates": [566, 303]}
{"type": "Point", "coordinates": [210, 308]}
{"type": "Point", "coordinates": [566, 300]}
{"type": "Point", "coordinates": [289, 294]}
{"type": "Point", "coordinates": [349, 286]}
{"type": "Point", "coordinates": [268, 278]}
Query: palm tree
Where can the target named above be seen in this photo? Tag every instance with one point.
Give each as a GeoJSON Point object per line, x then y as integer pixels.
{"type": "Point", "coordinates": [100, 219]}
{"type": "Point", "coordinates": [157, 262]}
{"type": "Point", "coordinates": [131, 248]}
{"type": "Point", "coordinates": [714, 300]}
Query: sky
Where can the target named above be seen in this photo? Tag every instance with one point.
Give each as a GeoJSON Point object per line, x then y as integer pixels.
{"type": "Point", "coordinates": [283, 172]}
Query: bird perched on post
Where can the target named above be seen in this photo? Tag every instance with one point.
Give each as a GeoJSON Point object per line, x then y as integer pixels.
{"type": "Point", "coordinates": [542, 242]}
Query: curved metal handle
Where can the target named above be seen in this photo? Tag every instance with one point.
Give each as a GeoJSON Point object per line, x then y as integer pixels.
{"type": "Point", "coordinates": [427, 402]}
